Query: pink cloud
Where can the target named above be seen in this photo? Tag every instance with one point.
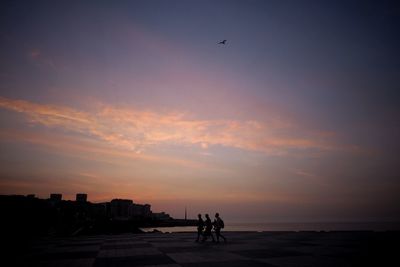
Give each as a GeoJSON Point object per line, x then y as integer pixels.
{"type": "Point", "coordinates": [137, 130]}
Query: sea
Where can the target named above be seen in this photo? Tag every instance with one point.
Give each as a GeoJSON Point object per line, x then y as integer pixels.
{"type": "Point", "coordinates": [286, 226]}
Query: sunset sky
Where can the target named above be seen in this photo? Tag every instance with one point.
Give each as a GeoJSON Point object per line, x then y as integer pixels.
{"type": "Point", "coordinates": [296, 118]}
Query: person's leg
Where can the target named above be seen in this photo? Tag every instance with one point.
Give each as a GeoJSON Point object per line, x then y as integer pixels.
{"type": "Point", "coordinates": [217, 233]}
{"type": "Point", "coordinates": [212, 236]}
{"type": "Point", "coordinates": [223, 237]}
{"type": "Point", "coordinates": [204, 237]}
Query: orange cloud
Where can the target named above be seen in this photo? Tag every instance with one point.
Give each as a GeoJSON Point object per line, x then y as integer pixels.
{"type": "Point", "coordinates": [90, 149]}
{"type": "Point", "coordinates": [137, 130]}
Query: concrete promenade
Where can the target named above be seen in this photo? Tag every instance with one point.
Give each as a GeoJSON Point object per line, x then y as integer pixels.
{"type": "Point", "coordinates": [242, 249]}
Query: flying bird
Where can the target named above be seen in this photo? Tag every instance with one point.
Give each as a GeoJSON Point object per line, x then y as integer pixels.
{"type": "Point", "coordinates": [222, 42]}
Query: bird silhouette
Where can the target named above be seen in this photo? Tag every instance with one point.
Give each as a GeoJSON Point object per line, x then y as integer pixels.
{"type": "Point", "coordinates": [222, 42]}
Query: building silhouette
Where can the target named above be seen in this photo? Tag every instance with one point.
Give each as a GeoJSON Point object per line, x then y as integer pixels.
{"type": "Point", "coordinates": [120, 209]}
{"type": "Point", "coordinates": [54, 216]}
{"type": "Point", "coordinates": [82, 198]}
{"type": "Point", "coordinates": [55, 197]}
{"type": "Point", "coordinates": [139, 210]}
{"type": "Point", "coordinates": [161, 216]}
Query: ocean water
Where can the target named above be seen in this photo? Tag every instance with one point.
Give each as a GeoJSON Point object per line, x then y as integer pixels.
{"type": "Point", "coordinates": [304, 226]}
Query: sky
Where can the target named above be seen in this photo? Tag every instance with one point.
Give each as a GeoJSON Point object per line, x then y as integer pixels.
{"type": "Point", "coordinates": [295, 118]}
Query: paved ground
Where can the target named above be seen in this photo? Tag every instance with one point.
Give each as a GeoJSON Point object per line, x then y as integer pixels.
{"type": "Point", "coordinates": [242, 249]}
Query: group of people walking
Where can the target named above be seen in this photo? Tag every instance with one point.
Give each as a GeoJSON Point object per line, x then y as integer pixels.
{"type": "Point", "coordinates": [204, 228]}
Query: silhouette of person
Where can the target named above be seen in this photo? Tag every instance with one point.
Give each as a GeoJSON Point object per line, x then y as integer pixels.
{"type": "Point", "coordinates": [200, 227]}
{"type": "Point", "coordinates": [218, 225]}
{"type": "Point", "coordinates": [207, 231]}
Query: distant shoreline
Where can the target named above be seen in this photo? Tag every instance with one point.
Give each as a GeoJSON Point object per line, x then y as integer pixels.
{"type": "Point", "coordinates": [272, 227]}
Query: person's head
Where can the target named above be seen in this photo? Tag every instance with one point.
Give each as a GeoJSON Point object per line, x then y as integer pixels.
{"type": "Point", "coordinates": [199, 216]}
{"type": "Point", "coordinates": [208, 217]}
{"type": "Point", "coordinates": [216, 215]}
